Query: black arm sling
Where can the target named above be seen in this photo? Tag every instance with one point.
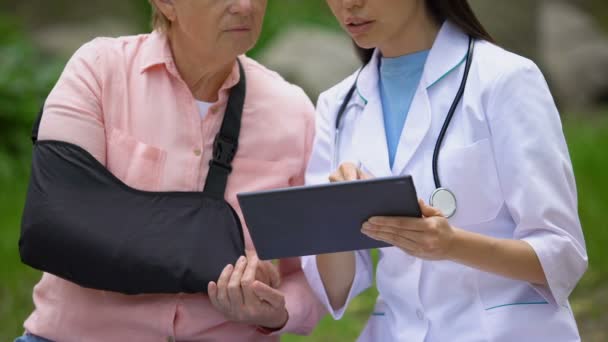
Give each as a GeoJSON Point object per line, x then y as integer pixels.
{"type": "Point", "coordinates": [83, 224]}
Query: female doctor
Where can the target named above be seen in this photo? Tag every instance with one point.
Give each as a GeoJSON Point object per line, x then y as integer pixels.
{"type": "Point", "coordinates": [500, 247]}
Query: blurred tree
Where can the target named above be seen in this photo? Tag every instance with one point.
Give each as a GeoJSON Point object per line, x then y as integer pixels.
{"type": "Point", "coordinates": [25, 79]}
{"type": "Point", "coordinates": [598, 9]}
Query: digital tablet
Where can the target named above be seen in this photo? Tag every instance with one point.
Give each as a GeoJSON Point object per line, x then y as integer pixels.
{"type": "Point", "coordinates": [319, 219]}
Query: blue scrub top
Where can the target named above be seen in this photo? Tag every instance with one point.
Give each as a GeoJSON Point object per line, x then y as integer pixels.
{"type": "Point", "coordinates": [398, 81]}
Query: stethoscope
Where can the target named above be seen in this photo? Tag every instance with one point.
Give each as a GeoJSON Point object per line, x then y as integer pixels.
{"type": "Point", "coordinates": [442, 198]}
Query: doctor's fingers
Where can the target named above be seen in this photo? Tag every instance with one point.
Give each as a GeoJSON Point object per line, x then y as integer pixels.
{"type": "Point", "coordinates": [402, 223]}
{"type": "Point", "coordinates": [427, 210]}
{"type": "Point", "coordinates": [363, 175]}
{"type": "Point", "coordinates": [413, 235]}
{"type": "Point", "coordinates": [235, 294]}
{"type": "Point", "coordinates": [425, 242]}
{"type": "Point", "coordinates": [396, 240]}
{"type": "Point", "coordinates": [345, 172]}
{"type": "Point", "coordinates": [429, 232]}
{"type": "Point", "coordinates": [336, 177]}
{"type": "Point", "coordinates": [349, 171]}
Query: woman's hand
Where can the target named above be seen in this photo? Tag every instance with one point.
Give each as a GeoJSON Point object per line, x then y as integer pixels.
{"type": "Point", "coordinates": [246, 293]}
{"type": "Point", "coordinates": [267, 272]}
{"type": "Point", "coordinates": [348, 172]}
{"type": "Point", "coordinates": [430, 237]}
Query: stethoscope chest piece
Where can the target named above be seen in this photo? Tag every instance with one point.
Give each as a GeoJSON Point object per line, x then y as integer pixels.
{"type": "Point", "coordinates": [444, 200]}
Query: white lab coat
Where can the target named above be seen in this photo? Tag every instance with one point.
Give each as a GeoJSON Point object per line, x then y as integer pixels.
{"type": "Point", "coordinates": [505, 158]}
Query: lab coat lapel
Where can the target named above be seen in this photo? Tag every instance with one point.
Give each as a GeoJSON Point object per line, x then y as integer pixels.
{"type": "Point", "coordinates": [370, 141]}
{"type": "Point", "coordinates": [415, 129]}
{"type": "Point", "coordinates": [369, 137]}
{"type": "Point", "coordinates": [447, 54]}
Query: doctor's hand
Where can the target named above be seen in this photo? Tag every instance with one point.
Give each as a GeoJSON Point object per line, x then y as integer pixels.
{"type": "Point", "coordinates": [348, 172]}
{"type": "Point", "coordinates": [241, 298]}
{"type": "Point", "coordinates": [430, 237]}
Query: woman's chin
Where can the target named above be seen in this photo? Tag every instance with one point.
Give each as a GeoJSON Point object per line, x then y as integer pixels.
{"type": "Point", "coordinates": [236, 47]}
{"type": "Point", "coordinates": [364, 43]}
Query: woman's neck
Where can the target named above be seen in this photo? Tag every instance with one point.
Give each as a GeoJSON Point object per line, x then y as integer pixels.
{"type": "Point", "coordinates": [203, 70]}
{"type": "Point", "coordinates": [418, 33]}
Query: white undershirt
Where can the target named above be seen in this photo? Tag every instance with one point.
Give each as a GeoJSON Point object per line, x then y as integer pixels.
{"type": "Point", "coordinates": [203, 107]}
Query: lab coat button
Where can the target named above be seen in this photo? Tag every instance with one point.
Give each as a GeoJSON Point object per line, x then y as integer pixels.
{"type": "Point", "coordinates": [420, 314]}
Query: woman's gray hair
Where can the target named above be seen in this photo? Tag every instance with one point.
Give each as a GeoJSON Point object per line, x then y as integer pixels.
{"type": "Point", "coordinates": [159, 21]}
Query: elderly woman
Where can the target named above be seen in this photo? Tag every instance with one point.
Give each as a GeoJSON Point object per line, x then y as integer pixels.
{"type": "Point", "coordinates": [148, 108]}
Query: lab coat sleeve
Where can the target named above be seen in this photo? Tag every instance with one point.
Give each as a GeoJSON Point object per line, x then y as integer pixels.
{"type": "Point", "coordinates": [536, 177]}
{"type": "Point", "coordinates": [363, 280]}
{"type": "Point", "coordinates": [318, 172]}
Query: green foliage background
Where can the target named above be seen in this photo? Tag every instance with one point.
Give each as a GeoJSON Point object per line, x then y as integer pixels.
{"type": "Point", "coordinates": [26, 77]}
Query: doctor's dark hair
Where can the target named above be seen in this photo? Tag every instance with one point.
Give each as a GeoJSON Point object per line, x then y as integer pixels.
{"type": "Point", "coordinates": [459, 12]}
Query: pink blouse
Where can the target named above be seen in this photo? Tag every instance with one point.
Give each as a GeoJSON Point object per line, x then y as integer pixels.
{"type": "Point", "coordinates": [123, 101]}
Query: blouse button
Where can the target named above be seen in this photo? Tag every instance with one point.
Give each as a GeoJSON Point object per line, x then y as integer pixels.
{"type": "Point", "coordinates": [197, 152]}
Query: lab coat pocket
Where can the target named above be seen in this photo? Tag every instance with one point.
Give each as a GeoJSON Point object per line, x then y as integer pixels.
{"type": "Point", "coordinates": [470, 173]}
{"type": "Point", "coordinates": [377, 325]}
{"type": "Point", "coordinates": [137, 164]}
{"type": "Point", "coordinates": [513, 311]}
{"type": "Point", "coordinates": [532, 322]}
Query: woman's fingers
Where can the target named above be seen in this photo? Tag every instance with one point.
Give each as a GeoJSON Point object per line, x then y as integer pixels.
{"type": "Point", "coordinates": [266, 293]}
{"type": "Point", "coordinates": [222, 287]}
{"type": "Point", "coordinates": [212, 293]}
{"type": "Point", "coordinates": [234, 284]}
{"type": "Point", "coordinates": [248, 278]}
{"type": "Point", "coordinates": [272, 273]}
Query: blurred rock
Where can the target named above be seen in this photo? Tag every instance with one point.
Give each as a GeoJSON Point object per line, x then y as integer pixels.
{"type": "Point", "coordinates": [40, 14]}
{"type": "Point", "coordinates": [65, 38]}
{"type": "Point", "coordinates": [574, 52]}
{"type": "Point", "coordinates": [561, 36]}
{"type": "Point", "coordinates": [513, 23]}
{"type": "Point", "coordinates": [59, 27]}
{"type": "Point", "coordinates": [313, 58]}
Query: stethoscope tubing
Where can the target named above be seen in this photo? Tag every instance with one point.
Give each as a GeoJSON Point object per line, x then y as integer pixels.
{"type": "Point", "coordinates": [444, 128]}
{"type": "Point", "coordinates": [451, 112]}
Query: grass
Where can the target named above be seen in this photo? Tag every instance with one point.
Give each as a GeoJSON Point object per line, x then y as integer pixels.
{"type": "Point", "coordinates": [588, 143]}
{"type": "Point", "coordinates": [16, 280]}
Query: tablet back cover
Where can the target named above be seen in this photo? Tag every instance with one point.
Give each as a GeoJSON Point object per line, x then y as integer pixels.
{"type": "Point", "coordinates": [324, 218]}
